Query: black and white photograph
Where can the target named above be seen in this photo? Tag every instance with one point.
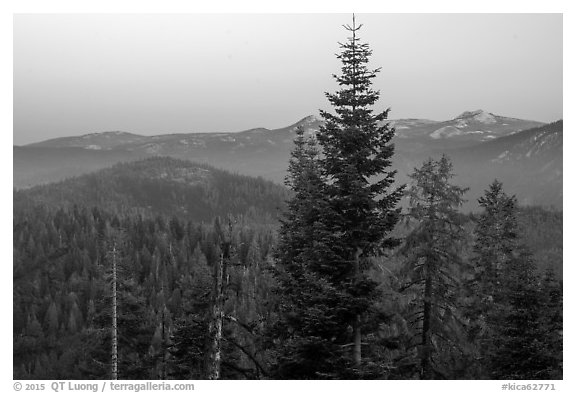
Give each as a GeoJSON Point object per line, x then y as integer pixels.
{"type": "Point", "coordinates": [287, 196]}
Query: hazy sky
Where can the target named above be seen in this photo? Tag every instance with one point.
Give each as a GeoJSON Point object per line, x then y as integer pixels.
{"type": "Point", "coordinates": [154, 74]}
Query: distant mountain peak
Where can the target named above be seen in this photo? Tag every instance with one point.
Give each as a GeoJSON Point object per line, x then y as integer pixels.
{"type": "Point", "coordinates": [479, 115]}
{"type": "Point", "coordinates": [466, 114]}
{"type": "Point", "coordinates": [310, 120]}
{"type": "Point", "coordinates": [110, 133]}
{"type": "Point", "coordinates": [310, 124]}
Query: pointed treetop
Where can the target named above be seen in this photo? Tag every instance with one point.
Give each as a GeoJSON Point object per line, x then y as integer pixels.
{"type": "Point", "coordinates": [353, 28]}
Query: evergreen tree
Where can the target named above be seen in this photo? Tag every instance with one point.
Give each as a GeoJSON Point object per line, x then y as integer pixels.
{"type": "Point", "coordinates": [515, 349]}
{"type": "Point", "coordinates": [515, 321]}
{"type": "Point", "coordinates": [496, 241]}
{"type": "Point", "coordinates": [496, 238]}
{"type": "Point", "coordinates": [358, 180]}
{"type": "Point", "coordinates": [551, 325]}
{"type": "Point", "coordinates": [340, 216]}
{"type": "Point", "coordinates": [307, 312]}
{"type": "Point", "coordinates": [433, 266]}
{"type": "Point", "coordinates": [188, 341]}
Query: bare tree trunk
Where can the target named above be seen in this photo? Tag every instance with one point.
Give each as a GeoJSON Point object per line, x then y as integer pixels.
{"type": "Point", "coordinates": [215, 328]}
{"type": "Point", "coordinates": [114, 317]}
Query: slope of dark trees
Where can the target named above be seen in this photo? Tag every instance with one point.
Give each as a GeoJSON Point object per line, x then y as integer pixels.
{"type": "Point", "coordinates": [165, 186]}
{"type": "Point", "coordinates": [62, 291]}
{"type": "Point", "coordinates": [62, 295]}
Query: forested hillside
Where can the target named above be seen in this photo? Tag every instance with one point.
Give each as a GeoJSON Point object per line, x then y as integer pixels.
{"type": "Point", "coordinates": [62, 291]}
{"type": "Point", "coordinates": [62, 294]}
{"type": "Point", "coordinates": [165, 186]}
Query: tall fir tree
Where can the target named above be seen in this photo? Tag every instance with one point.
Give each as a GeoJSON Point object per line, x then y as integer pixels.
{"type": "Point", "coordinates": [496, 238]}
{"type": "Point", "coordinates": [343, 211]}
{"type": "Point", "coordinates": [356, 165]}
{"type": "Point", "coordinates": [434, 266]}
{"type": "Point", "coordinates": [496, 241]}
{"type": "Point", "coordinates": [515, 321]}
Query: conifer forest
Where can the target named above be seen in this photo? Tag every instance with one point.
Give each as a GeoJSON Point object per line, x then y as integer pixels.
{"type": "Point", "coordinates": [164, 268]}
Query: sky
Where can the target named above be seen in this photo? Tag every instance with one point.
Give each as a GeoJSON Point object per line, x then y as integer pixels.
{"type": "Point", "coordinates": [179, 73]}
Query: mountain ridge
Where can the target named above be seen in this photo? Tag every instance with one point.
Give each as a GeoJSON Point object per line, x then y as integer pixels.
{"type": "Point", "coordinates": [310, 121]}
{"type": "Point", "coordinates": [264, 152]}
